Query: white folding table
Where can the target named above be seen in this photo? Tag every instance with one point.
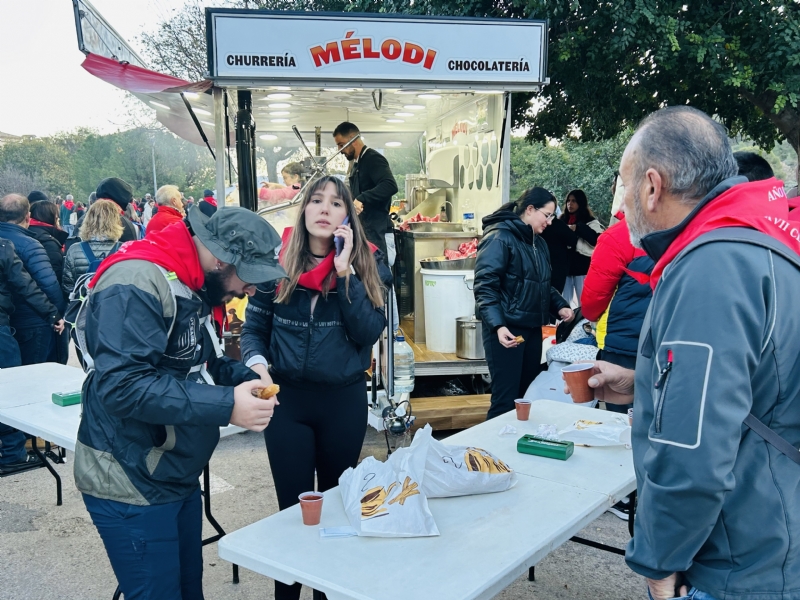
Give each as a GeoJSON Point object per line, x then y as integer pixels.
{"type": "Point", "coordinates": [26, 403]}
{"type": "Point", "coordinates": [486, 541]}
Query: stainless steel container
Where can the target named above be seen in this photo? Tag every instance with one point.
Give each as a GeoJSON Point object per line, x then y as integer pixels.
{"type": "Point", "coordinates": [440, 263]}
{"type": "Point", "coordinates": [438, 227]}
{"type": "Point", "coordinates": [469, 338]}
{"type": "Point", "coordinates": [416, 190]}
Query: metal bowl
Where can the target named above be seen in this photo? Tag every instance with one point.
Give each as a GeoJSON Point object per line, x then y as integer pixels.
{"type": "Point", "coordinates": [428, 227]}
{"type": "Point", "coordinates": [440, 263]}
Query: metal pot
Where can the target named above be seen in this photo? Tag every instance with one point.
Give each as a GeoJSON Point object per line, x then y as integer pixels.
{"type": "Point", "coordinates": [469, 338]}
{"type": "Point", "coordinates": [416, 192]}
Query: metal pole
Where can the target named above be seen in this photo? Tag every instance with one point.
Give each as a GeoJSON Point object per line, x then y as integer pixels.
{"type": "Point", "coordinates": [153, 155]}
{"type": "Point", "coordinates": [506, 158]}
{"type": "Point", "coordinates": [219, 143]}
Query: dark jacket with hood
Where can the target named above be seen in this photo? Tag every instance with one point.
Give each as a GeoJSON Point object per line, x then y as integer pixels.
{"type": "Point", "coordinates": [512, 275]}
{"type": "Point", "coordinates": [718, 503]}
{"type": "Point", "coordinates": [34, 258]}
{"type": "Point", "coordinates": [330, 346]}
{"type": "Point", "coordinates": [50, 239]}
{"type": "Point", "coordinates": [16, 284]}
{"type": "Point", "coordinates": [149, 424]}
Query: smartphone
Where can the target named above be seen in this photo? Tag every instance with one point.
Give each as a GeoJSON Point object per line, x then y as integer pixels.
{"type": "Point", "coordinates": [339, 241]}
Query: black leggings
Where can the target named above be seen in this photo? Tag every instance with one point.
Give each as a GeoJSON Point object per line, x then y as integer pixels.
{"type": "Point", "coordinates": [512, 369]}
{"type": "Point", "coordinates": [315, 429]}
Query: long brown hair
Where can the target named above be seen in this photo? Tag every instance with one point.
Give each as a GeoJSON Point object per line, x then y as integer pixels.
{"type": "Point", "coordinates": [297, 259]}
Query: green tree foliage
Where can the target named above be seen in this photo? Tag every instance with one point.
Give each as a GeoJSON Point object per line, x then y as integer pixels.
{"type": "Point", "coordinates": [566, 166]}
{"type": "Point", "coordinates": [74, 163]}
{"type": "Point", "coordinates": [613, 62]}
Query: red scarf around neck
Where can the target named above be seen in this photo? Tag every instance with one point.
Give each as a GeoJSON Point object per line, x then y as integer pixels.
{"type": "Point", "coordinates": [759, 205]}
{"type": "Point", "coordinates": [210, 200]}
{"type": "Point", "coordinates": [314, 278]}
{"type": "Point", "coordinates": [171, 248]}
{"type": "Point", "coordinates": [40, 223]}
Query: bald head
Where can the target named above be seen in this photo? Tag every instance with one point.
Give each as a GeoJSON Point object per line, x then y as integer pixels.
{"type": "Point", "coordinates": [15, 208]}
{"type": "Point", "coordinates": [688, 148]}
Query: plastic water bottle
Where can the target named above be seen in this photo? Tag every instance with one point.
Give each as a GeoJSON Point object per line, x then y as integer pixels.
{"type": "Point", "coordinates": [403, 366]}
{"type": "Point", "coordinates": [468, 216]}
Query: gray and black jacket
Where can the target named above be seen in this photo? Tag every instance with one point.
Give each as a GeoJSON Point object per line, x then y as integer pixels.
{"type": "Point", "coordinates": [716, 502]}
{"type": "Point", "coordinates": [148, 427]}
{"type": "Point", "coordinates": [16, 283]}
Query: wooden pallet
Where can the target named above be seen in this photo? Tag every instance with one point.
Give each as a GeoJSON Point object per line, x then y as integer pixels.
{"type": "Point", "coordinates": [450, 412]}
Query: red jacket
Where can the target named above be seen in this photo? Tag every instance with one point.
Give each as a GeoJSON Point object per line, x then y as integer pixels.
{"type": "Point", "coordinates": [610, 259]}
{"type": "Point", "coordinates": [166, 215]}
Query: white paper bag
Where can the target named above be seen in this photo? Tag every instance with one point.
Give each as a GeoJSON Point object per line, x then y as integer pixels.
{"type": "Point", "coordinates": [609, 429]}
{"type": "Point", "coordinates": [385, 500]}
{"type": "Point", "coordinates": [459, 470]}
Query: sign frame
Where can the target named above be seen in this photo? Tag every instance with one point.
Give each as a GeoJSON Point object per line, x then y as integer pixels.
{"type": "Point", "coordinates": [473, 77]}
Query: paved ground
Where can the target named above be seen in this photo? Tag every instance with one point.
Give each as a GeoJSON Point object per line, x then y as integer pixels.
{"type": "Point", "coordinates": [52, 552]}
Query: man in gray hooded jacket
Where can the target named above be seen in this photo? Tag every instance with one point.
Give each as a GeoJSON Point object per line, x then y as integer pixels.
{"type": "Point", "coordinates": [718, 515]}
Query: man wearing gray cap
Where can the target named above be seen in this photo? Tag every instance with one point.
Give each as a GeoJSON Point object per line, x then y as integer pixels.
{"type": "Point", "coordinates": [159, 388]}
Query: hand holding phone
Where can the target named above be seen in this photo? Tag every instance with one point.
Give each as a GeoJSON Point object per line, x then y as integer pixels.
{"type": "Point", "coordinates": [339, 241]}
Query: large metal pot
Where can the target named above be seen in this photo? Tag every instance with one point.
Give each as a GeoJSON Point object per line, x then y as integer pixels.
{"type": "Point", "coordinates": [469, 338]}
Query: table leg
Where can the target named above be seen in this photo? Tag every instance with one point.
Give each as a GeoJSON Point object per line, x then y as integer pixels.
{"type": "Point", "coordinates": [532, 574]}
{"type": "Point", "coordinates": [632, 516]}
{"type": "Point", "coordinates": [207, 508]}
{"type": "Point", "coordinates": [44, 460]}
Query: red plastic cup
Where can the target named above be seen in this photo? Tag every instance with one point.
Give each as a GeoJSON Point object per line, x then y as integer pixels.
{"type": "Point", "coordinates": [311, 507]}
{"type": "Point", "coordinates": [577, 377]}
{"type": "Point", "coordinates": [523, 409]}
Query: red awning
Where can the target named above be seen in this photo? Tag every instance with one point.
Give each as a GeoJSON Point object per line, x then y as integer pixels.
{"type": "Point", "coordinates": [136, 79]}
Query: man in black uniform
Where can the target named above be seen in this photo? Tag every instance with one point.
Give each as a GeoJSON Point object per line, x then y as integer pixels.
{"type": "Point", "coordinates": [371, 183]}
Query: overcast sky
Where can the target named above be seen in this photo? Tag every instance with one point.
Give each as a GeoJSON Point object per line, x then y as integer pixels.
{"type": "Point", "coordinates": [45, 90]}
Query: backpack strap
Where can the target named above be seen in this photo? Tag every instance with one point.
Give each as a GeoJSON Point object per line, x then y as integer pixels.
{"type": "Point", "coordinates": [87, 252]}
{"type": "Point", "coordinates": [756, 238]}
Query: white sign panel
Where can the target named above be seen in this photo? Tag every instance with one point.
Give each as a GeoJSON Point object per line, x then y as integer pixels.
{"type": "Point", "coordinates": [252, 45]}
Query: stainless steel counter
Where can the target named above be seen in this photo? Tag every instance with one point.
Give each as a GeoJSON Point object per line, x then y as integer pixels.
{"type": "Point", "coordinates": [412, 247]}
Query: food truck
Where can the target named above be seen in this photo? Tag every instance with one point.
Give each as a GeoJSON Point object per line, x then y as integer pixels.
{"type": "Point", "coordinates": [278, 84]}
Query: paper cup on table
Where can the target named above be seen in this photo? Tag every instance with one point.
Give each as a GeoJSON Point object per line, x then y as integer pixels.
{"type": "Point", "coordinates": [311, 507]}
{"type": "Point", "coordinates": [577, 377]}
{"type": "Point", "coordinates": [523, 409]}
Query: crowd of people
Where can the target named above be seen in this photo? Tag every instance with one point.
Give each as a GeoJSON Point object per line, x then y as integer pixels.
{"type": "Point", "coordinates": [690, 292]}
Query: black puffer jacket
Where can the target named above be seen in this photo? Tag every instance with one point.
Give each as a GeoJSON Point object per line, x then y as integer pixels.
{"type": "Point", "coordinates": [76, 263]}
{"type": "Point", "coordinates": [512, 275]}
{"type": "Point", "coordinates": [34, 258]}
{"type": "Point", "coordinates": [331, 346]}
{"type": "Point", "coordinates": [15, 282]}
{"type": "Point", "coordinates": [52, 246]}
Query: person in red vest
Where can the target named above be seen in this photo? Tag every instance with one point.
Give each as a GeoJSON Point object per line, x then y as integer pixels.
{"type": "Point", "coordinates": [170, 209]}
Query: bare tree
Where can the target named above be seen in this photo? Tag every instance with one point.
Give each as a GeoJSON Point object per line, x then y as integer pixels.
{"type": "Point", "coordinates": [178, 45]}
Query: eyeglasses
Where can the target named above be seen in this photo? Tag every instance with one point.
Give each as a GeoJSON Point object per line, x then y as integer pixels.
{"type": "Point", "coordinates": [548, 216]}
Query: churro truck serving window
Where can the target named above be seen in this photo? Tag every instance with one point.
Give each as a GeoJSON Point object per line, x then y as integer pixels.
{"type": "Point", "coordinates": [431, 95]}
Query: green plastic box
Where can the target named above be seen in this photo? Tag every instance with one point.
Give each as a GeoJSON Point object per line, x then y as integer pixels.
{"type": "Point", "coordinates": [67, 398]}
{"type": "Point", "coordinates": [531, 444]}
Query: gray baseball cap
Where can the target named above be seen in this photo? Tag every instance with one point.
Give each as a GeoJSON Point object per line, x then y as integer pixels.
{"type": "Point", "coordinates": [241, 238]}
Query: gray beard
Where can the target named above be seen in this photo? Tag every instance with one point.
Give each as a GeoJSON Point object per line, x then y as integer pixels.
{"type": "Point", "coordinates": [638, 227]}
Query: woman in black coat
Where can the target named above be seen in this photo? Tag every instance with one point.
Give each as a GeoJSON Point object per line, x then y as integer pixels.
{"type": "Point", "coordinates": [313, 334]}
{"type": "Point", "coordinates": [514, 295]}
{"type": "Point", "coordinates": [580, 219]}
{"type": "Point", "coordinates": [44, 227]}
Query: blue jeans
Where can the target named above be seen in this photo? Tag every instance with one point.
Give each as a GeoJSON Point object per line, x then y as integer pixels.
{"type": "Point", "coordinates": [694, 594]}
{"type": "Point", "coordinates": [34, 343]}
{"type": "Point", "coordinates": [155, 551]}
{"type": "Point", "coordinates": [12, 441]}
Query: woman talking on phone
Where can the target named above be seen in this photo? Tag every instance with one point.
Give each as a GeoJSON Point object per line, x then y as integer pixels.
{"type": "Point", "coordinates": [312, 334]}
{"type": "Point", "coordinates": [513, 294]}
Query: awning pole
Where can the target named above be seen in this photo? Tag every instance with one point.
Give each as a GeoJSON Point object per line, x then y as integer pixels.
{"type": "Point", "coordinates": [505, 145]}
{"type": "Point", "coordinates": [219, 129]}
